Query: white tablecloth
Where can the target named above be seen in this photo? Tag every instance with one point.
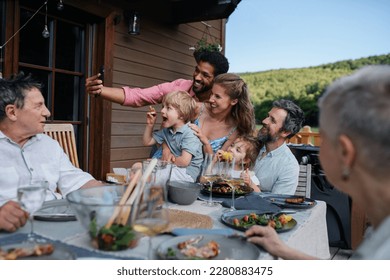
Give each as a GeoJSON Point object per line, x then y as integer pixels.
{"type": "Point", "coordinates": [310, 234]}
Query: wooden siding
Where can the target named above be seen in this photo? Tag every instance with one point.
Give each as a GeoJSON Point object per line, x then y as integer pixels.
{"type": "Point", "coordinates": [159, 54]}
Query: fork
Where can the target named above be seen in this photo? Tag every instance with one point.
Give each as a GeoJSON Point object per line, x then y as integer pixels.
{"type": "Point", "coordinates": [238, 236]}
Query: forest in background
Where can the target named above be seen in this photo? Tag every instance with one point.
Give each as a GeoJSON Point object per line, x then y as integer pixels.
{"type": "Point", "coordinates": [302, 85]}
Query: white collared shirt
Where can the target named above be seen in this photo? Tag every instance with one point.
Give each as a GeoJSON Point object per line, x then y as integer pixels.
{"type": "Point", "coordinates": [41, 158]}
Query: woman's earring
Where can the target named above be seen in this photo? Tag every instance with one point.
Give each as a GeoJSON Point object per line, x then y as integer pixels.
{"type": "Point", "coordinates": [345, 174]}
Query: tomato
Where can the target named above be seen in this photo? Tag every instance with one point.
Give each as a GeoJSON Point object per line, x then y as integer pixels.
{"type": "Point", "coordinates": [236, 222]}
{"type": "Point", "coordinates": [282, 219]}
{"type": "Point", "coordinates": [272, 223]}
{"type": "Point", "coordinates": [253, 215]}
{"type": "Point", "coordinates": [245, 218]}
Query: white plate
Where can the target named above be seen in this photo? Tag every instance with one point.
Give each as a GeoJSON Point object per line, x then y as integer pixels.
{"type": "Point", "coordinates": [230, 248]}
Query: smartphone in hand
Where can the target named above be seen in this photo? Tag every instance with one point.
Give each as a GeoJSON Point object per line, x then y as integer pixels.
{"type": "Point", "coordinates": [101, 71]}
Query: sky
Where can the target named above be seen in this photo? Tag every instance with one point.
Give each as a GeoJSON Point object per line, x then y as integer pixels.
{"type": "Point", "coordinates": [274, 34]}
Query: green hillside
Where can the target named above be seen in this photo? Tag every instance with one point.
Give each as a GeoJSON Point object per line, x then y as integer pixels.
{"type": "Point", "coordinates": [302, 85]}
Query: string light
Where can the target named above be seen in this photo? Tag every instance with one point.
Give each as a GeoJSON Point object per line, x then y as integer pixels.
{"type": "Point", "coordinates": [23, 26]}
{"type": "Point", "coordinates": [45, 32]}
{"type": "Point", "coordinates": [60, 5]}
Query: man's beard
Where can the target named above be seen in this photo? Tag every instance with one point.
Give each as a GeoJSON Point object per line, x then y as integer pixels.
{"type": "Point", "coordinates": [203, 89]}
{"type": "Point", "coordinates": [267, 137]}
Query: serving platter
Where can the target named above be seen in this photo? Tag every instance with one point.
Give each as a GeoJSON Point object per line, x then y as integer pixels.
{"type": "Point", "coordinates": [229, 217]}
{"type": "Point", "coordinates": [287, 201]}
{"type": "Point", "coordinates": [229, 248]}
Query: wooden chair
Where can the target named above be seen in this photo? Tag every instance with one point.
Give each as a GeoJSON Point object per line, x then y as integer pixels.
{"type": "Point", "coordinates": [64, 134]}
{"type": "Point", "coordinates": [306, 137]}
{"type": "Point", "coordinates": [304, 181]}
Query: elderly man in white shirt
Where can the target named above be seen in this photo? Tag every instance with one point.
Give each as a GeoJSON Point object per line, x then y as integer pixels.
{"type": "Point", "coordinates": [26, 153]}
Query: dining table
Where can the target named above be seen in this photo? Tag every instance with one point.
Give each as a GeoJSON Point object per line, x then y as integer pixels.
{"type": "Point", "coordinates": [309, 235]}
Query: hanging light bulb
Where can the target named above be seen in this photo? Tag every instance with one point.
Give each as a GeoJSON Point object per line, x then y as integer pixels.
{"type": "Point", "coordinates": [60, 5]}
{"type": "Point", "coordinates": [45, 32]}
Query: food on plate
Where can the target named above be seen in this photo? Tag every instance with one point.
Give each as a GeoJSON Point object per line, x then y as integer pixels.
{"type": "Point", "coordinates": [227, 156]}
{"type": "Point", "coordinates": [22, 252]}
{"type": "Point", "coordinates": [295, 200]}
{"type": "Point", "coordinates": [221, 187]}
{"type": "Point", "coordinates": [152, 111]}
{"type": "Point", "coordinates": [275, 221]}
{"type": "Point", "coordinates": [116, 237]}
{"type": "Point", "coordinates": [206, 251]}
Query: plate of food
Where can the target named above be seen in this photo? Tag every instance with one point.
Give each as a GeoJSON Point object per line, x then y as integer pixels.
{"type": "Point", "coordinates": [55, 211]}
{"type": "Point", "coordinates": [207, 247]}
{"type": "Point", "coordinates": [222, 189]}
{"type": "Point", "coordinates": [290, 201]}
{"type": "Point", "coordinates": [244, 219]}
{"type": "Point", "coordinates": [44, 251]}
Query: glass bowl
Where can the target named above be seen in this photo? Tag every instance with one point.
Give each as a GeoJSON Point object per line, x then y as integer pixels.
{"type": "Point", "coordinates": [107, 222]}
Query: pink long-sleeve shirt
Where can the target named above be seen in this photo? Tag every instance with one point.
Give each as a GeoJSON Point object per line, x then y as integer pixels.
{"type": "Point", "coordinates": [138, 97]}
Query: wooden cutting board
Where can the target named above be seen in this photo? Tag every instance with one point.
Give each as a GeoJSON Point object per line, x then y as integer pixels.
{"type": "Point", "coordinates": [185, 219]}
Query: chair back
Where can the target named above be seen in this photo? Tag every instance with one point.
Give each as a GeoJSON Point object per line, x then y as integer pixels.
{"type": "Point", "coordinates": [64, 134]}
{"type": "Point", "coordinates": [306, 137]}
{"type": "Point", "coordinates": [304, 181]}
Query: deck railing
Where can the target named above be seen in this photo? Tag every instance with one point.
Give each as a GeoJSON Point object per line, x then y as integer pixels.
{"type": "Point", "coordinates": [306, 136]}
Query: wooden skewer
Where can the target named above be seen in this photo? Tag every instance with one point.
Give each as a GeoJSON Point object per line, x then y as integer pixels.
{"type": "Point", "coordinates": [124, 198]}
{"type": "Point", "coordinates": [124, 216]}
{"type": "Point", "coordinates": [137, 193]}
{"type": "Point", "coordinates": [127, 208]}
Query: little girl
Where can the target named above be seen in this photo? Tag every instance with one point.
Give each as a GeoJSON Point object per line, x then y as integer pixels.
{"type": "Point", "coordinates": [244, 150]}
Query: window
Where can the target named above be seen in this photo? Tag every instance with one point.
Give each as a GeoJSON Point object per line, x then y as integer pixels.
{"type": "Point", "coordinates": [58, 61]}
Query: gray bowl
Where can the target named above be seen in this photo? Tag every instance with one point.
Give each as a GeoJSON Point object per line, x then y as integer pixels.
{"type": "Point", "coordinates": [183, 193]}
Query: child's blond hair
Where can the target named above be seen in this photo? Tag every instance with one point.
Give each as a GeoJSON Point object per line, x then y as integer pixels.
{"type": "Point", "coordinates": [182, 102]}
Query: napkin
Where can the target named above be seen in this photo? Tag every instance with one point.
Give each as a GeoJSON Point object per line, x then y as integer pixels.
{"type": "Point", "coordinates": [252, 202]}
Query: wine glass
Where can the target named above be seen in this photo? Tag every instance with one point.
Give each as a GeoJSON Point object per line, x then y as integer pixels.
{"type": "Point", "coordinates": [31, 197]}
{"type": "Point", "coordinates": [210, 173]}
{"type": "Point", "coordinates": [150, 216]}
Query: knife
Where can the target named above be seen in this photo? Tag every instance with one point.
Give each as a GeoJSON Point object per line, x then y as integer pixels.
{"type": "Point", "coordinates": [191, 231]}
{"type": "Point", "coordinates": [63, 217]}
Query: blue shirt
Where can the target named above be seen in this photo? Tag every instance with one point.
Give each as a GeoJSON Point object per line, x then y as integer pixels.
{"type": "Point", "coordinates": [183, 139]}
{"type": "Point", "coordinates": [278, 171]}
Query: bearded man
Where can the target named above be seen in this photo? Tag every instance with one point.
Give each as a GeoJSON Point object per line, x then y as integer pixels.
{"type": "Point", "coordinates": [276, 166]}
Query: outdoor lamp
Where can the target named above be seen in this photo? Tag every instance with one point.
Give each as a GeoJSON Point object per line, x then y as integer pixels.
{"type": "Point", "coordinates": [134, 23]}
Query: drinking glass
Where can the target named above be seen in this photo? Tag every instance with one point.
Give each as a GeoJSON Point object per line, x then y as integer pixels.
{"type": "Point", "coordinates": [31, 197]}
{"type": "Point", "coordinates": [227, 175]}
{"type": "Point", "coordinates": [211, 173]}
{"type": "Point", "coordinates": [161, 173]}
{"type": "Point", "coordinates": [150, 215]}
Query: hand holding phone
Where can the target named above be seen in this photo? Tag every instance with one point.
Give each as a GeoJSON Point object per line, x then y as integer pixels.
{"type": "Point", "coordinates": [101, 72]}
